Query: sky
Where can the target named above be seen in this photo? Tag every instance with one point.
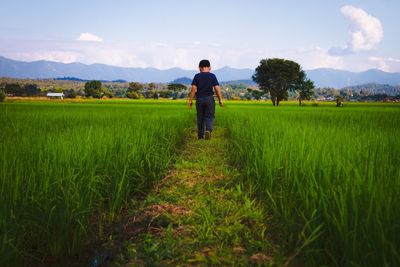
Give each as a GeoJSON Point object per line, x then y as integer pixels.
{"type": "Point", "coordinates": [349, 35]}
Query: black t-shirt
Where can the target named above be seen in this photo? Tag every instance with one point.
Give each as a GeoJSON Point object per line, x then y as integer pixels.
{"type": "Point", "coordinates": [205, 82]}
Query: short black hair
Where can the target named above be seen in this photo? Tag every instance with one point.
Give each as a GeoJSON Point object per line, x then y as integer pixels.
{"type": "Point", "coordinates": [204, 63]}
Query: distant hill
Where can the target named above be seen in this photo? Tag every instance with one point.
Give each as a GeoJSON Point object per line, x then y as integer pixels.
{"type": "Point", "coordinates": [188, 81]}
{"type": "Point", "coordinates": [74, 79]}
{"type": "Point", "coordinates": [183, 80]}
{"type": "Point", "coordinates": [247, 82]}
{"type": "Point", "coordinates": [47, 69]}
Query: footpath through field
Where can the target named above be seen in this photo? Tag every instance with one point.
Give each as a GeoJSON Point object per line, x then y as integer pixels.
{"type": "Point", "coordinates": [199, 214]}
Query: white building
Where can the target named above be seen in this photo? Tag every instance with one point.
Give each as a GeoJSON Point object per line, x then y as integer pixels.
{"type": "Point", "coordinates": [55, 95]}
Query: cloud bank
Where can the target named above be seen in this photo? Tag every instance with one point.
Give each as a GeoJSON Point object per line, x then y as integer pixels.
{"type": "Point", "coordinates": [366, 31]}
{"type": "Point", "coordinates": [184, 55]}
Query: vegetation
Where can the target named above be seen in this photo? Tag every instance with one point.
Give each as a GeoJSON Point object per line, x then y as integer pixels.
{"type": "Point", "coordinates": [236, 90]}
{"type": "Point", "coordinates": [2, 95]}
{"type": "Point", "coordinates": [305, 90]}
{"type": "Point", "coordinates": [374, 88]}
{"type": "Point", "coordinates": [134, 90]}
{"type": "Point", "coordinates": [177, 87]}
{"type": "Point", "coordinates": [254, 93]}
{"type": "Point", "coordinates": [329, 177]}
{"type": "Point", "coordinates": [93, 89]}
{"type": "Point", "coordinates": [199, 214]}
{"type": "Point", "coordinates": [277, 76]}
{"type": "Point", "coordinates": [67, 170]}
{"type": "Point", "coordinates": [25, 90]}
{"type": "Point", "coordinates": [306, 186]}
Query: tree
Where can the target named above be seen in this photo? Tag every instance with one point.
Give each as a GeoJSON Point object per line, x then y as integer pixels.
{"type": "Point", "coordinates": [166, 93]}
{"type": "Point", "coordinates": [31, 90]}
{"type": "Point", "coordinates": [154, 94]}
{"type": "Point", "coordinates": [135, 87]}
{"type": "Point", "coordinates": [71, 93]}
{"type": "Point", "coordinates": [14, 89]}
{"type": "Point", "coordinates": [2, 95]}
{"type": "Point", "coordinates": [94, 89]}
{"type": "Point", "coordinates": [177, 87]}
{"type": "Point", "coordinates": [257, 94]}
{"type": "Point", "coordinates": [134, 90]}
{"type": "Point", "coordinates": [305, 88]}
{"type": "Point", "coordinates": [108, 93]}
{"type": "Point", "coordinates": [152, 86]}
{"type": "Point", "coordinates": [277, 76]}
{"type": "Point", "coordinates": [247, 96]}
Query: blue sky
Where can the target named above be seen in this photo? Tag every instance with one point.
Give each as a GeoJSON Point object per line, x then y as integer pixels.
{"type": "Point", "coordinates": [351, 35]}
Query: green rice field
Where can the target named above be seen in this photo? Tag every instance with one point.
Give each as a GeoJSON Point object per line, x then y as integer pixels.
{"type": "Point", "coordinates": [64, 166]}
{"type": "Point", "coordinates": [328, 177]}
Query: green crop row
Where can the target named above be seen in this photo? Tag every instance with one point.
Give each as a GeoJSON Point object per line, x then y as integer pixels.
{"type": "Point", "coordinates": [61, 165]}
{"type": "Point", "coordinates": [329, 176]}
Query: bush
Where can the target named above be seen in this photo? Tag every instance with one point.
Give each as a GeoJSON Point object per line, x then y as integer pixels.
{"type": "Point", "coordinates": [339, 101]}
{"type": "Point", "coordinates": [2, 95]}
{"type": "Point", "coordinates": [107, 93]}
{"type": "Point", "coordinates": [70, 93]}
{"type": "Point", "coordinates": [133, 95]}
{"type": "Point", "coordinates": [314, 103]}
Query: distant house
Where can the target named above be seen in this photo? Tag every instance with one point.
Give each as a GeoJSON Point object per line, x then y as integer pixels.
{"type": "Point", "coordinates": [55, 95]}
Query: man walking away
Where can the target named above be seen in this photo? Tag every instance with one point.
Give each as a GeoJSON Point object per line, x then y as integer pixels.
{"type": "Point", "coordinates": [202, 85]}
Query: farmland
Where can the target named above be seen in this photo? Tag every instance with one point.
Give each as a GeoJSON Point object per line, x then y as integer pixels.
{"type": "Point", "coordinates": [325, 178]}
{"type": "Point", "coordinates": [329, 176]}
{"type": "Point", "coordinates": [62, 163]}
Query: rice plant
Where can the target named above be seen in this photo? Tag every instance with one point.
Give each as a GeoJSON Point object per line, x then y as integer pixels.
{"type": "Point", "coordinates": [330, 177]}
{"type": "Point", "coordinates": [64, 164]}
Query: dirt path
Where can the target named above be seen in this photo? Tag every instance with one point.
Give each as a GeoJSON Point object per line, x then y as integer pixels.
{"type": "Point", "coordinates": [199, 214]}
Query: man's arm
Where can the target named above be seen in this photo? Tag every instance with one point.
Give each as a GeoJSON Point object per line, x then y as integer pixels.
{"type": "Point", "coordinates": [191, 95]}
{"type": "Point", "coordinates": [218, 92]}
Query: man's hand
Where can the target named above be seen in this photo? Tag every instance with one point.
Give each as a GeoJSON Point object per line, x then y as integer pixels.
{"type": "Point", "coordinates": [220, 103]}
{"type": "Point", "coordinates": [190, 104]}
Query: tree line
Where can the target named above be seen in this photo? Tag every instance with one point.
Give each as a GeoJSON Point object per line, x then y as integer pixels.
{"type": "Point", "coordinates": [97, 89]}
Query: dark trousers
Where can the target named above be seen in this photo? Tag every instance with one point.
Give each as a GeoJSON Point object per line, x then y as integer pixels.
{"type": "Point", "coordinates": [205, 107]}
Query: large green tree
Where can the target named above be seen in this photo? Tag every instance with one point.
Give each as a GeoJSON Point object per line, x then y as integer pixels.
{"type": "Point", "coordinates": [277, 76]}
{"type": "Point", "coordinates": [94, 89]}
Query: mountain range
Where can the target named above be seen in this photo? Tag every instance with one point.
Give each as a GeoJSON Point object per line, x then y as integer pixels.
{"type": "Point", "coordinates": [48, 69]}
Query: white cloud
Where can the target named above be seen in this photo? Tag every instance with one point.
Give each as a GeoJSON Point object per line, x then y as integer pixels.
{"type": "Point", "coordinates": [89, 37]}
{"type": "Point", "coordinates": [314, 57]}
{"type": "Point", "coordinates": [386, 63]}
{"type": "Point", "coordinates": [366, 31]}
{"type": "Point", "coordinates": [59, 56]}
{"type": "Point", "coordinates": [162, 56]}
